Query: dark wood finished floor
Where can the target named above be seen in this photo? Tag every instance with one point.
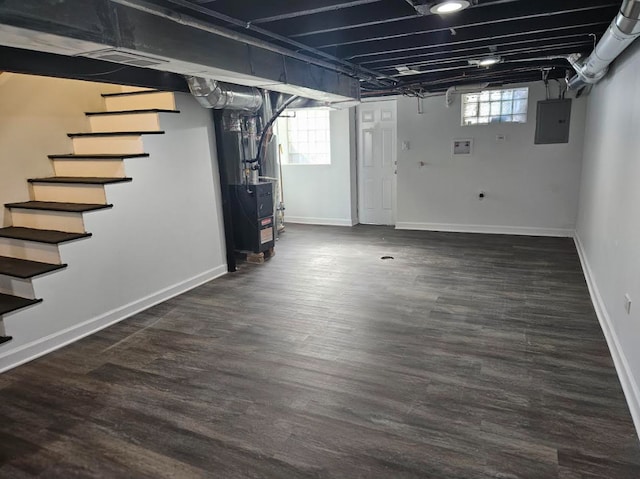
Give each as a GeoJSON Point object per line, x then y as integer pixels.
{"type": "Point", "coordinates": [466, 356]}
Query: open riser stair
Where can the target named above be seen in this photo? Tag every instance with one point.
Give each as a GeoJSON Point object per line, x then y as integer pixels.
{"type": "Point", "coordinates": [29, 248]}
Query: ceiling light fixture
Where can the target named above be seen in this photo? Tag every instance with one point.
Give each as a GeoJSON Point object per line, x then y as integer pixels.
{"type": "Point", "coordinates": [449, 6]}
{"type": "Point", "coordinates": [405, 70]}
{"type": "Point", "coordinates": [489, 61]}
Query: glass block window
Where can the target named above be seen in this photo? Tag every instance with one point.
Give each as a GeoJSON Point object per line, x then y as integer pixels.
{"type": "Point", "coordinates": [308, 138]}
{"type": "Point", "coordinates": [495, 106]}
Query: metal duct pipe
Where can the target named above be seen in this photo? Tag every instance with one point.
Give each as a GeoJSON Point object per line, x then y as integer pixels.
{"type": "Point", "coordinates": [624, 29]}
{"type": "Point", "coordinates": [462, 89]}
{"type": "Point", "coordinates": [224, 96]}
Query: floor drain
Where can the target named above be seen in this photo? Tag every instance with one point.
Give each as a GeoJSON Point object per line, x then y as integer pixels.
{"type": "Point", "coordinates": [387, 257]}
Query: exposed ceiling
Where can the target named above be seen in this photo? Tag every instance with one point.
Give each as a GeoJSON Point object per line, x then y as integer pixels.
{"type": "Point", "coordinates": [410, 52]}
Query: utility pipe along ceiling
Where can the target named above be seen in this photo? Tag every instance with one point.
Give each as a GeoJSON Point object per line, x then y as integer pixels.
{"type": "Point", "coordinates": [413, 47]}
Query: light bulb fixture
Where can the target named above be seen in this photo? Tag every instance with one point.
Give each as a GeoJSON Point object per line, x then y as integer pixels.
{"type": "Point", "coordinates": [485, 62]}
{"type": "Point", "coordinates": [489, 61]}
{"type": "Point", "coordinates": [449, 6]}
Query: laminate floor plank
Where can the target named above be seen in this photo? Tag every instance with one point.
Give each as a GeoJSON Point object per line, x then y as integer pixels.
{"type": "Point", "coordinates": [466, 356]}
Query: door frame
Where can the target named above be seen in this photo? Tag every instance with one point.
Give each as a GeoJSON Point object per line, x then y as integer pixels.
{"type": "Point", "coordinates": [358, 142]}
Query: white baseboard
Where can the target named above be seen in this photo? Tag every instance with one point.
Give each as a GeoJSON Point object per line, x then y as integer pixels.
{"type": "Point", "coordinates": [42, 346]}
{"type": "Point", "coordinates": [303, 220]}
{"type": "Point", "coordinates": [629, 385]}
{"type": "Point", "coordinates": [487, 229]}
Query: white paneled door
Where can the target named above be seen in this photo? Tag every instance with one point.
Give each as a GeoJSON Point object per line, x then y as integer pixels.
{"type": "Point", "coordinates": [377, 162]}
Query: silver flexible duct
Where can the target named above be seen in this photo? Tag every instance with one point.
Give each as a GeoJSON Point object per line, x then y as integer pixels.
{"type": "Point", "coordinates": [224, 96]}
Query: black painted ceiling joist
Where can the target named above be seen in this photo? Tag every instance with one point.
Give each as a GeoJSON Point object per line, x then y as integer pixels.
{"type": "Point", "coordinates": [384, 35]}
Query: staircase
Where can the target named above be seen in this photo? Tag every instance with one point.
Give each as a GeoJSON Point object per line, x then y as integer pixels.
{"type": "Point", "coordinates": [55, 214]}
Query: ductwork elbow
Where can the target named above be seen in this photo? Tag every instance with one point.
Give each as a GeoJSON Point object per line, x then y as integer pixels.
{"type": "Point", "coordinates": [624, 29]}
{"type": "Point", "coordinates": [224, 96]}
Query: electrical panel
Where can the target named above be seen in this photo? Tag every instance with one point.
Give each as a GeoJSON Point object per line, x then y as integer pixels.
{"type": "Point", "coordinates": [553, 122]}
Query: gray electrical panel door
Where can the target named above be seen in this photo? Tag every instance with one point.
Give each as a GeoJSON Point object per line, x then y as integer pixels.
{"type": "Point", "coordinates": [553, 122]}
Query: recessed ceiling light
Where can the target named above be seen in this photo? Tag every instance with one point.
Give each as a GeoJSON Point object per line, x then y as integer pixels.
{"type": "Point", "coordinates": [449, 6]}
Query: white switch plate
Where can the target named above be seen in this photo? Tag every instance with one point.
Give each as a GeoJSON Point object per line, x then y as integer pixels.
{"type": "Point", "coordinates": [406, 146]}
{"type": "Point", "coordinates": [501, 138]}
{"type": "Point", "coordinates": [627, 303]}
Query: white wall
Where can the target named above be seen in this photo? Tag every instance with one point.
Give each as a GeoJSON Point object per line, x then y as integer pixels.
{"type": "Point", "coordinates": [36, 113]}
{"type": "Point", "coordinates": [530, 189]}
{"type": "Point", "coordinates": [608, 231]}
{"type": "Point", "coordinates": [325, 194]}
{"type": "Point", "coordinates": [163, 236]}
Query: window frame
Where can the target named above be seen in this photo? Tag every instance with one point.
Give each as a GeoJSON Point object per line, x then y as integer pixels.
{"type": "Point", "coordinates": [464, 120]}
{"type": "Point", "coordinates": [283, 129]}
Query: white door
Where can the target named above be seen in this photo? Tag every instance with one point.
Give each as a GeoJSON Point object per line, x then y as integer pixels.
{"type": "Point", "coordinates": [377, 160]}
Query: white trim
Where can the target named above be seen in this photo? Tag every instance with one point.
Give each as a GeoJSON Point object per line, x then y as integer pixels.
{"type": "Point", "coordinates": [629, 385]}
{"type": "Point", "coordinates": [42, 346]}
{"type": "Point", "coordinates": [304, 220]}
{"type": "Point", "coordinates": [488, 229]}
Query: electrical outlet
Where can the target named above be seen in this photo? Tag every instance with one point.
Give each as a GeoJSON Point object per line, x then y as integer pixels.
{"type": "Point", "coordinates": [405, 146]}
{"type": "Point", "coordinates": [627, 303]}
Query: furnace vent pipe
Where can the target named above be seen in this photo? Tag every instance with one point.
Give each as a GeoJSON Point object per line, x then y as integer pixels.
{"type": "Point", "coordinates": [624, 29]}
{"type": "Point", "coordinates": [449, 96]}
{"type": "Point", "coordinates": [224, 96]}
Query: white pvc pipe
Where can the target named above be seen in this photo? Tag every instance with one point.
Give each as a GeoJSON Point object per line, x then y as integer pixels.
{"type": "Point", "coordinates": [449, 98]}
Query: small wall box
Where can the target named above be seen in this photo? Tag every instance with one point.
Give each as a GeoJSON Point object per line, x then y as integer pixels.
{"type": "Point", "coordinates": [462, 147]}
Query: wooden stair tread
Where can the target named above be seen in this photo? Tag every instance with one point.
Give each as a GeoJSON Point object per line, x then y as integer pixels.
{"type": "Point", "coordinates": [25, 269]}
{"type": "Point", "coordinates": [56, 206]}
{"type": "Point", "coordinates": [40, 236]}
{"type": "Point", "coordinates": [9, 303]}
{"type": "Point", "coordinates": [132, 93]}
{"type": "Point", "coordinates": [117, 156]}
{"type": "Point", "coordinates": [130, 112]}
{"type": "Point", "coordinates": [114, 133]}
{"type": "Point", "coordinates": [81, 180]}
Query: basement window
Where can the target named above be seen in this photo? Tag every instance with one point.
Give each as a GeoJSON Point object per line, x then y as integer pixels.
{"type": "Point", "coordinates": [305, 138]}
{"type": "Point", "coordinates": [495, 106]}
